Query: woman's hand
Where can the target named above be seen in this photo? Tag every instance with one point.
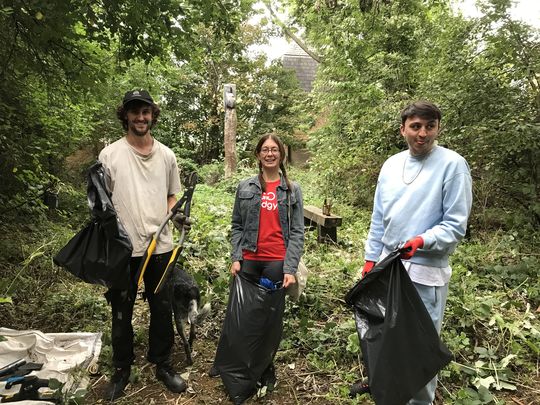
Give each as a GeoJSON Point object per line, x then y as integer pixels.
{"type": "Point", "coordinates": [235, 268]}
{"type": "Point", "coordinates": [288, 279]}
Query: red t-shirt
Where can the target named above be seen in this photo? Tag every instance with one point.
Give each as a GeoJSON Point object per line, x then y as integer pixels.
{"type": "Point", "coordinates": [270, 243]}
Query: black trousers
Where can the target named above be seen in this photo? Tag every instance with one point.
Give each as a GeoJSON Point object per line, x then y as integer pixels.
{"type": "Point", "coordinates": [161, 333]}
{"type": "Point", "coordinates": [255, 269]}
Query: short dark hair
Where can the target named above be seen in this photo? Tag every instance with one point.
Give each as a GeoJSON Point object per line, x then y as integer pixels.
{"type": "Point", "coordinates": [121, 112]}
{"type": "Point", "coordinates": [423, 109]}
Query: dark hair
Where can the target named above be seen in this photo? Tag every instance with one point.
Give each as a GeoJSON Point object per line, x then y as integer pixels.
{"type": "Point", "coordinates": [122, 110]}
{"type": "Point", "coordinates": [422, 109]}
{"type": "Point", "coordinates": [282, 156]}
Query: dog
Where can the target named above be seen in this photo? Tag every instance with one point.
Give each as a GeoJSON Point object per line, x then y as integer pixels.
{"type": "Point", "coordinates": [186, 299]}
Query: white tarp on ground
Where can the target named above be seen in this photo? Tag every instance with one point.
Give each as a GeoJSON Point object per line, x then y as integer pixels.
{"type": "Point", "coordinates": [60, 353]}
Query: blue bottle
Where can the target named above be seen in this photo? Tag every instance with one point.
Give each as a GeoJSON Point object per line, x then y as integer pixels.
{"type": "Point", "coordinates": [267, 283]}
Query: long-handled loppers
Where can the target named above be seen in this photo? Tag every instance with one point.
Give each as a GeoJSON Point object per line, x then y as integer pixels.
{"type": "Point", "coordinates": [183, 206]}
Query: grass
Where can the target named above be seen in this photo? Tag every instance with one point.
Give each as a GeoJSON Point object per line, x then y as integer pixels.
{"type": "Point", "coordinates": [491, 322]}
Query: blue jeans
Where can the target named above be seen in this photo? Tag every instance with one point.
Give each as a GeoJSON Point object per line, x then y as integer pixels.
{"type": "Point", "coordinates": [434, 299]}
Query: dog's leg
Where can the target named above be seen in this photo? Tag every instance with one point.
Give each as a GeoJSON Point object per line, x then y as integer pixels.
{"type": "Point", "coordinates": [179, 322]}
{"type": "Point", "coordinates": [192, 316]}
{"type": "Point", "coordinates": [191, 334]}
{"type": "Point", "coordinates": [187, 348]}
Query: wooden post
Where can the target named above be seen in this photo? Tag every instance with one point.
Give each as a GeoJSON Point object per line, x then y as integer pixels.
{"type": "Point", "coordinates": [229, 103]}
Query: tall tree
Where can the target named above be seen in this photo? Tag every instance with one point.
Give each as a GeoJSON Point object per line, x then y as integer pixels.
{"type": "Point", "coordinates": [60, 61]}
{"type": "Point", "coordinates": [484, 72]}
{"type": "Point", "coordinates": [193, 117]}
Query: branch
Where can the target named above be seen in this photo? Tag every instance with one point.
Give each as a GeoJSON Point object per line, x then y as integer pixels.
{"type": "Point", "coordinates": [291, 34]}
{"type": "Point", "coordinates": [8, 59]}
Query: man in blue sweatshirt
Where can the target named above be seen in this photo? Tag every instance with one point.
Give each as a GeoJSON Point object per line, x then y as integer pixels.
{"type": "Point", "coordinates": [423, 198]}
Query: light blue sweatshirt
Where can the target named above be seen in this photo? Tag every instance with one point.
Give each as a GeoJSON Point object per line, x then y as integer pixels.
{"type": "Point", "coordinates": [435, 204]}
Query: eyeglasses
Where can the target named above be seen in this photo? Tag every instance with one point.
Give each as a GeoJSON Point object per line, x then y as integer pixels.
{"type": "Point", "coordinates": [266, 151]}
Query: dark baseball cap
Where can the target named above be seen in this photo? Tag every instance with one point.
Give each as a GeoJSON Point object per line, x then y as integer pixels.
{"type": "Point", "coordinates": [140, 95]}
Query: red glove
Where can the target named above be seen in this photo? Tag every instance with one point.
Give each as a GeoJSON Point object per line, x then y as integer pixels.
{"type": "Point", "coordinates": [409, 249]}
{"type": "Point", "coordinates": [367, 267]}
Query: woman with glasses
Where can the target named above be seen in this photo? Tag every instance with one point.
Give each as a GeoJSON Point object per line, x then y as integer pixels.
{"type": "Point", "coordinates": [267, 242]}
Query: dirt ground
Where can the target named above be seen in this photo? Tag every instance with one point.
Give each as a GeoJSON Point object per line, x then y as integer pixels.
{"type": "Point", "coordinates": [296, 384]}
{"type": "Point", "coordinates": [292, 388]}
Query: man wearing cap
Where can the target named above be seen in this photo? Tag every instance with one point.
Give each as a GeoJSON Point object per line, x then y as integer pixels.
{"type": "Point", "coordinates": [143, 179]}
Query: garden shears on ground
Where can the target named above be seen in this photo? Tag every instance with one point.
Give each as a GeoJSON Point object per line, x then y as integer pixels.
{"type": "Point", "coordinates": [182, 206]}
{"type": "Point", "coordinates": [29, 390]}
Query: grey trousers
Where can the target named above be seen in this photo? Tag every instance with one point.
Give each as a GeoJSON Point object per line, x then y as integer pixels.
{"type": "Point", "coordinates": [434, 299]}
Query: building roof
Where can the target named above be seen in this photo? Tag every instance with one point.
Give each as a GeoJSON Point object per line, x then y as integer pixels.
{"type": "Point", "coordinates": [304, 66]}
{"type": "Point", "coordinates": [295, 50]}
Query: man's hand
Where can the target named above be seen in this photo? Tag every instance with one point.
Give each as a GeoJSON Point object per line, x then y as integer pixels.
{"type": "Point", "coordinates": [368, 265]}
{"type": "Point", "coordinates": [288, 279]}
{"type": "Point", "coordinates": [410, 248]}
{"type": "Point", "coordinates": [180, 221]}
{"type": "Point", "coordinates": [235, 268]}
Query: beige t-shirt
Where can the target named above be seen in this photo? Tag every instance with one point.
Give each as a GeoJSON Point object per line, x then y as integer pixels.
{"type": "Point", "coordinates": [140, 185]}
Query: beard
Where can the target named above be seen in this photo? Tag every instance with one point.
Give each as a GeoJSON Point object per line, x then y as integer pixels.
{"type": "Point", "coordinates": [135, 131]}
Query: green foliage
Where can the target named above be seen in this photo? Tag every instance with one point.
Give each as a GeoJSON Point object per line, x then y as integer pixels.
{"type": "Point", "coordinates": [494, 102]}
{"type": "Point", "coordinates": [211, 173]}
{"type": "Point", "coordinates": [193, 111]}
{"type": "Point", "coordinates": [66, 65]}
{"type": "Point", "coordinates": [490, 323]}
{"type": "Point", "coordinates": [205, 252]}
{"type": "Point", "coordinates": [490, 311]}
{"type": "Point", "coordinates": [378, 56]}
{"type": "Point", "coordinates": [78, 308]}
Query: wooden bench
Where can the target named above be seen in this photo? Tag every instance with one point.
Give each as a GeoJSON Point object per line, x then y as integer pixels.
{"type": "Point", "coordinates": [326, 224]}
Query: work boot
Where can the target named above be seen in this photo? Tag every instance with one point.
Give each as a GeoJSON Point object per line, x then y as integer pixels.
{"type": "Point", "coordinates": [166, 374]}
{"type": "Point", "coordinates": [119, 380]}
{"type": "Point", "coordinates": [213, 372]}
{"type": "Point", "coordinates": [359, 388]}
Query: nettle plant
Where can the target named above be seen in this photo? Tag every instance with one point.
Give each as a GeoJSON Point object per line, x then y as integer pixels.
{"type": "Point", "coordinates": [491, 326]}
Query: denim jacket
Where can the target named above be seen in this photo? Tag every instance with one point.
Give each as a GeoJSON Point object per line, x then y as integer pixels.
{"type": "Point", "coordinates": [245, 220]}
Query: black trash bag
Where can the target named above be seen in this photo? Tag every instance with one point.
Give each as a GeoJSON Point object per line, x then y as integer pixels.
{"type": "Point", "coordinates": [401, 348]}
{"type": "Point", "coordinates": [100, 253]}
{"type": "Point", "coordinates": [250, 337]}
